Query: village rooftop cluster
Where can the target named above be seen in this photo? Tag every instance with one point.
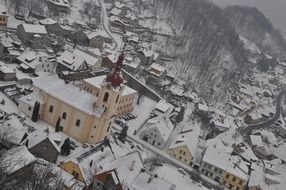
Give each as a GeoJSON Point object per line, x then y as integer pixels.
{"type": "Point", "coordinates": [89, 98]}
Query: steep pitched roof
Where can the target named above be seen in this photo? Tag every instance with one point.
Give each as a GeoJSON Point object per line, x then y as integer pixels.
{"type": "Point", "coordinates": [14, 159]}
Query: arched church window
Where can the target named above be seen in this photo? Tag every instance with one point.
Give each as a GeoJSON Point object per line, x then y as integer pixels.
{"type": "Point", "coordinates": [106, 96]}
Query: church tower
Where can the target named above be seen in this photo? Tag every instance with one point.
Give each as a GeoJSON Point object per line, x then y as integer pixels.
{"type": "Point", "coordinates": [111, 89]}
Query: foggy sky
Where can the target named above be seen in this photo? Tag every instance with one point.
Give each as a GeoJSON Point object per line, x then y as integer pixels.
{"type": "Point", "coordinates": [275, 10]}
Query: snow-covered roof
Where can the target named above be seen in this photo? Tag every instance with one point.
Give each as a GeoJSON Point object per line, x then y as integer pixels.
{"type": "Point", "coordinates": [48, 21]}
{"type": "Point", "coordinates": [119, 4]}
{"type": "Point", "coordinates": [172, 175]}
{"type": "Point", "coordinates": [156, 69]}
{"type": "Point", "coordinates": [5, 69]}
{"type": "Point", "coordinates": [163, 106]}
{"type": "Point", "coordinates": [162, 124]}
{"type": "Point", "coordinates": [62, 3]}
{"type": "Point", "coordinates": [256, 140]}
{"type": "Point", "coordinates": [217, 156]}
{"type": "Point", "coordinates": [115, 11]}
{"type": "Point", "coordinates": [95, 81]}
{"type": "Point", "coordinates": [203, 107]}
{"type": "Point", "coordinates": [101, 33]}
{"type": "Point", "coordinates": [31, 58]}
{"type": "Point", "coordinates": [16, 158]}
{"type": "Point", "coordinates": [270, 181]}
{"type": "Point", "coordinates": [280, 152]}
{"type": "Point", "coordinates": [13, 130]}
{"type": "Point", "coordinates": [99, 80]}
{"type": "Point", "coordinates": [68, 179]}
{"type": "Point", "coordinates": [39, 136]}
{"type": "Point", "coordinates": [143, 182]}
{"type": "Point", "coordinates": [75, 59]}
{"type": "Point", "coordinates": [133, 63]}
{"type": "Point", "coordinates": [149, 53]}
{"type": "Point", "coordinates": [69, 94]}
{"type": "Point", "coordinates": [31, 99]}
{"type": "Point", "coordinates": [127, 167]}
{"type": "Point", "coordinates": [93, 159]}
{"type": "Point", "coordinates": [34, 29]}
{"type": "Point", "coordinates": [189, 139]}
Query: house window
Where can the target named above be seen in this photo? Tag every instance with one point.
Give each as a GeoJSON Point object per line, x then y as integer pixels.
{"type": "Point", "coordinates": [180, 157]}
{"type": "Point", "coordinates": [233, 179]}
{"type": "Point", "coordinates": [29, 108]}
{"type": "Point", "coordinates": [184, 153]}
{"type": "Point", "coordinates": [91, 136]}
{"type": "Point", "coordinates": [240, 182]}
{"type": "Point", "coordinates": [106, 96]}
{"type": "Point", "coordinates": [227, 175]}
{"type": "Point", "coordinates": [64, 116]}
{"type": "Point", "coordinates": [51, 109]}
{"type": "Point", "coordinates": [94, 127]}
{"type": "Point", "coordinates": [77, 123]}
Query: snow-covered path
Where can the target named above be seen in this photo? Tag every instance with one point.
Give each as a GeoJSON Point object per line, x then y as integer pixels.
{"type": "Point", "coordinates": [105, 23]}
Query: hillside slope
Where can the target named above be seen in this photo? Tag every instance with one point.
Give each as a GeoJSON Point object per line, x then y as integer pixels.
{"type": "Point", "coordinates": [253, 25]}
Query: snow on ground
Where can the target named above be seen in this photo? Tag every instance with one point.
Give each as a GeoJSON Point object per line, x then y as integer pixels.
{"type": "Point", "coordinates": [142, 111]}
{"type": "Point", "coordinates": [105, 22]}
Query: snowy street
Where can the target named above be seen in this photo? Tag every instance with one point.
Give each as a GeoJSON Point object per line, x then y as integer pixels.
{"type": "Point", "coordinates": [105, 23]}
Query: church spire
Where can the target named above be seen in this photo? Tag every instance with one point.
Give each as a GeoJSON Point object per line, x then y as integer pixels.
{"type": "Point", "coordinates": [115, 76]}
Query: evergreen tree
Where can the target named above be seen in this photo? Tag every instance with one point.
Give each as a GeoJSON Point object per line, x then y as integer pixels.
{"type": "Point", "coordinates": [58, 127]}
{"type": "Point", "coordinates": [66, 147]}
{"type": "Point", "coordinates": [35, 114]}
{"type": "Point", "coordinates": [123, 134]}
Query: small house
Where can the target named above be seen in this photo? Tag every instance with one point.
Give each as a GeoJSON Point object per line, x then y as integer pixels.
{"type": "Point", "coordinates": [27, 32]}
{"type": "Point", "coordinates": [76, 60]}
{"type": "Point", "coordinates": [6, 73]}
{"type": "Point", "coordinates": [157, 131]}
{"type": "Point", "coordinates": [42, 144]}
{"type": "Point", "coordinates": [98, 38]}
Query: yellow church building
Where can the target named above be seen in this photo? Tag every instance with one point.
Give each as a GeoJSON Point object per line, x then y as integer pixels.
{"type": "Point", "coordinates": [83, 116]}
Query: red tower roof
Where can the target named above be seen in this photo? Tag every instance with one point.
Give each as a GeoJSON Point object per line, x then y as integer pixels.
{"type": "Point", "coordinates": [115, 76]}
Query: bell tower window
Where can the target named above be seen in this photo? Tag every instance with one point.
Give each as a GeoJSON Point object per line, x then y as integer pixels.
{"type": "Point", "coordinates": [117, 99]}
{"type": "Point", "coordinates": [106, 96]}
